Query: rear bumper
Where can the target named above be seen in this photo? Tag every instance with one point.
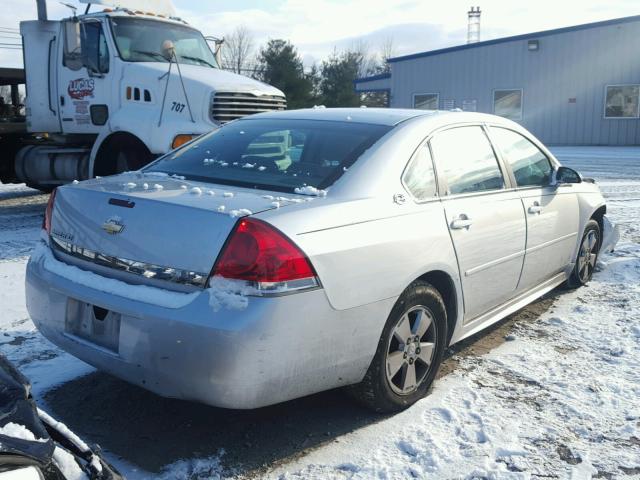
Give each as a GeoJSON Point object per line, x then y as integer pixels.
{"type": "Point", "coordinates": [273, 350]}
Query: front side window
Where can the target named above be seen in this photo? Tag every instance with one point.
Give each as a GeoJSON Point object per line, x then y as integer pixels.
{"type": "Point", "coordinates": [95, 55]}
{"type": "Point", "coordinates": [420, 178]}
{"type": "Point", "coordinates": [466, 160]}
{"type": "Point", "coordinates": [144, 40]}
{"type": "Point", "coordinates": [279, 155]}
{"type": "Point", "coordinates": [530, 166]}
{"type": "Point", "coordinates": [508, 104]}
{"type": "Point", "coordinates": [85, 45]}
{"type": "Point", "coordinates": [425, 101]}
{"type": "Point", "coordinates": [622, 101]}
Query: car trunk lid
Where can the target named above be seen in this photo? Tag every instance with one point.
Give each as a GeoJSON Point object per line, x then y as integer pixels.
{"type": "Point", "coordinates": [154, 220]}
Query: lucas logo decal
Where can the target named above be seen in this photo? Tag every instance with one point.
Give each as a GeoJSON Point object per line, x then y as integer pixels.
{"type": "Point", "coordinates": [81, 88]}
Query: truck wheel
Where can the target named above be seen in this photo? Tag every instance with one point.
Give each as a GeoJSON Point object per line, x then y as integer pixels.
{"type": "Point", "coordinates": [587, 256]}
{"type": "Point", "coordinates": [132, 158]}
{"type": "Point", "coordinates": [409, 352]}
{"type": "Point", "coordinates": [121, 153]}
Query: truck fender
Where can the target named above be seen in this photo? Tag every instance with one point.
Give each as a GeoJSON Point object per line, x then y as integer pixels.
{"type": "Point", "coordinates": [106, 143]}
{"type": "Point", "coordinates": [102, 136]}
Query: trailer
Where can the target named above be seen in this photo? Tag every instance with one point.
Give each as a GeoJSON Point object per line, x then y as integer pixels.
{"type": "Point", "coordinates": [110, 90]}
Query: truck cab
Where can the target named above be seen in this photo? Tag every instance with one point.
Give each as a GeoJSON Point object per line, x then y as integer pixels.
{"type": "Point", "coordinates": [116, 88]}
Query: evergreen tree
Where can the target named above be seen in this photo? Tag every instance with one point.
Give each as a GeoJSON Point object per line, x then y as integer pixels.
{"type": "Point", "coordinates": [281, 66]}
{"type": "Point", "coordinates": [337, 76]}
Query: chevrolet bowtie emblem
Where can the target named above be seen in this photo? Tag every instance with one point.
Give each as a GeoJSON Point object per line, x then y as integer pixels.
{"type": "Point", "coordinates": [113, 226]}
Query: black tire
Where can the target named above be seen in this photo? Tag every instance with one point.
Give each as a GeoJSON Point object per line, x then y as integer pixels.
{"type": "Point", "coordinates": [377, 391]}
{"type": "Point", "coordinates": [121, 155]}
{"type": "Point", "coordinates": [132, 157]}
{"type": "Point", "coordinates": [584, 267]}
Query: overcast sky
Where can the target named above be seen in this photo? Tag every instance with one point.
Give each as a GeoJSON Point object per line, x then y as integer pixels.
{"type": "Point", "coordinates": [316, 27]}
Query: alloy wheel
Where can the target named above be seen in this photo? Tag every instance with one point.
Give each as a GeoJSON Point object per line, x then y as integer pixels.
{"type": "Point", "coordinates": [411, 350]}
{"type": "Point", "coordinates": [587, 256]}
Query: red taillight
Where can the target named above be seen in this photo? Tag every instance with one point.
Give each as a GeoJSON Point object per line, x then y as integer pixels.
{"type": "Point", "coordinates": [46, 221]}
{"type": "Point", "coordinates": [258, 252]}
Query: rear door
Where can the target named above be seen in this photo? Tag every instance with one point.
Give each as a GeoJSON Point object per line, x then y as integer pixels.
{"type": "Point", "coordinates": [485, 218]}
{"type": "Point", "coordinates": [552, 213]}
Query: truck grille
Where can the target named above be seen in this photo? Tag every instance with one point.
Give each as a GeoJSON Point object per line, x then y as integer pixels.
{"type": "Point", "coordinates": [228, 106]}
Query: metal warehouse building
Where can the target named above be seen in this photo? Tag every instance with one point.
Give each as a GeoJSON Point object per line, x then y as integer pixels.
{"type": "Point", "coordinates": [570, 86]}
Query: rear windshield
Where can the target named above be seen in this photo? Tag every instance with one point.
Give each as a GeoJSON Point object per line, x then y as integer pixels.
{"type": "Point", "coordinates": [280, 155]}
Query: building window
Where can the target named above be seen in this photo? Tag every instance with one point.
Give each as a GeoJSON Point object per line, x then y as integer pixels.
{"type": "Point", "coordinates": [508, 103]}
{"type": "Point", "coordinates": [622, 101]}
{"type": "Point", "coordinates": [470, 105]}
{"type": "Point", "coordinates": [425, 101]}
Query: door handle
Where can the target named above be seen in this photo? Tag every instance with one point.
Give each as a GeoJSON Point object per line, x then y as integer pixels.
{"type": "Point", "coordinates": [463, 221]}
{"type": "Point", "coordinates": [535, 208]}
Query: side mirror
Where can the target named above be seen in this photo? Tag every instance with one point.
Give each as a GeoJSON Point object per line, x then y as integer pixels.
{"type": "Point", "coordinates": [72, 38]}
{"type": "Point", "coordinates": [564, 175]}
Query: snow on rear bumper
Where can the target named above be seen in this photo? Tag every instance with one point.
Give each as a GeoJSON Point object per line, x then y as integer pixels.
{"type": "Point", "coordinates": [273, 350]}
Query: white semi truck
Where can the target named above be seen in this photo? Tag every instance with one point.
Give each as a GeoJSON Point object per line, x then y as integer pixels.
{"type": "Point", "coordinates": [108, 91]}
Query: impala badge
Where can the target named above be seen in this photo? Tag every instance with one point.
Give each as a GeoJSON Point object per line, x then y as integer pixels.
{"type": "Point", "coordinates": [113, 226]}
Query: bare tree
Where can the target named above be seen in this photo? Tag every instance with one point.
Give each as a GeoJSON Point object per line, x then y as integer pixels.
{"type": "Point", "coordinates": [387, 51]}
{"type": "Point", "coordinates": [367, 62]}
{"type": "Point", "coordinates": [238, 51]}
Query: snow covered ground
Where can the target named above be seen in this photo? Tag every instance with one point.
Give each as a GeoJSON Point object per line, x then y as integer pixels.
{"type": "Point", "coordinates": [560, 398]}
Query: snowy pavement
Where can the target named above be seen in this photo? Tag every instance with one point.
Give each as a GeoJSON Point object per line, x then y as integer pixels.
{"type": "Point", "coordinates": [553, 392]}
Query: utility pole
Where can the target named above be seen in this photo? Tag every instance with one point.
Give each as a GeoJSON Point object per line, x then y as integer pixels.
{"type": "Point", "coordinates": [42, 9]}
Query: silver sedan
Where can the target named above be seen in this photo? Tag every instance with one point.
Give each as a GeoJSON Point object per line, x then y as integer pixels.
{"type": "Point", "coordinates": [293, 252]}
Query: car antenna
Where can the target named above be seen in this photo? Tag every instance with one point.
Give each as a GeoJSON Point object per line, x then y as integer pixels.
{"type": "Point", "coordinates": [72, 7]}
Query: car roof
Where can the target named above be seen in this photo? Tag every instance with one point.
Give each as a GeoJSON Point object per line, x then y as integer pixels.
{"type": "Point", "coordinates": [380, 116]}
{"type": "Point", "coordinates": [375, 116]}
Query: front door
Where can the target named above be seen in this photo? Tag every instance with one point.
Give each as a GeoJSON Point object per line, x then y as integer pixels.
{"type": "Point", "coordinates": [84, 83]}
{"type": "Point", "coordinates": [486, 221]}
{"type": "Point", "coordinates": [552, 212]}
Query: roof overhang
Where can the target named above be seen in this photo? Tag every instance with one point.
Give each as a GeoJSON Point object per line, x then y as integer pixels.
{"type": "Point", "coordinates": [526, 36]}
{"type": "Point", "coordinates": [12, 76]}
{"type": "Point", "coordinates": [374, 83]}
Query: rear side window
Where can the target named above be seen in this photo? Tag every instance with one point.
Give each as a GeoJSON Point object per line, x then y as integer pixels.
{"type": "Point", "coordinates": [530, 166]}
{"type": "Point", "coordinates": [466, 160]}
{"type": "Point", "coordinates": [420, 178]}
{"type": "Point", "coordinates": [276, 154]}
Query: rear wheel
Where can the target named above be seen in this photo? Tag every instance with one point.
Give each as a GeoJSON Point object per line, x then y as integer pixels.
{"type": "Point", "coordinates": [587, 256]}
{"type": "Point", "coordinates": [409, 352]}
